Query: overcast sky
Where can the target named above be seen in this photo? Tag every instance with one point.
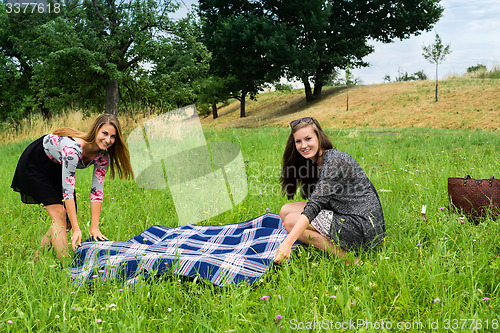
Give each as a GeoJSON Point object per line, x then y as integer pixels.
{"type": "Point", "coordinates": [471, 27]}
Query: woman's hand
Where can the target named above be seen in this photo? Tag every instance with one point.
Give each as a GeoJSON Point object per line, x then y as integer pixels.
{"type": "Point", "coordinates": [76, 238]}
{"type": "Point", "coordinates": [97, 235]}
{"type": "Point", "coordinates": [282, 254]}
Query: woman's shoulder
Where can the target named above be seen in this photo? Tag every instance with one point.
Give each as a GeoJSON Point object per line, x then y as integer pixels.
{"type": "Point", "coordinates": [334, 153]}
{"type": "Point", "coordinates": [334, 156]}
{"type": "Point", "coordinates": [61, 142]}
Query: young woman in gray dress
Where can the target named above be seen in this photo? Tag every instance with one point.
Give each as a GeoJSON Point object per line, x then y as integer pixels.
{"type": "Point", "coordinates": [343, 213]}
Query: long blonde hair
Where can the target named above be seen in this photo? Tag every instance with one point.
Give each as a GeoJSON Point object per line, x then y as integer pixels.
{"type": "Point", "coordinates": [119, 156]}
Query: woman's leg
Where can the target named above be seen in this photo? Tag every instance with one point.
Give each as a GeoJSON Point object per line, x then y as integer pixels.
{"type": "Point", "coordinates": [291, 208]}
{"type": "Point", "coordinates": [56, 235]}
{"type": "Point", "coordinates": [289, 214]}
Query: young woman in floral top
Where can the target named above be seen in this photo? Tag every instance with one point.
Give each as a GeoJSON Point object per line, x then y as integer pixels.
{"type": "Point", "coordinates": [45, 174]}
{"type": "Point", "coordinates": [343, 212]}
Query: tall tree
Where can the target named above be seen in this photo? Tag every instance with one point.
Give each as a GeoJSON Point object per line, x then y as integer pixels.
{"type": "Point", "coordinates": [180, 62]}
{"type": "Point", "coordinates": [309, 40]}
{"type": "Point", "coordinates": [329, 35]}
{"type": "Point", "coordinates": [19, 56]}
{"type": "Point", "coordinates": [101, 44]}
{"type": "Point", "coordinates": [436, 53]}
{"type": "Point", "coordinates": [241, 40]}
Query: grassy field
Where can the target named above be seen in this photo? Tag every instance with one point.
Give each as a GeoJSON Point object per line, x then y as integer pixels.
{"type": "Point", "coordinates": [441, 274]}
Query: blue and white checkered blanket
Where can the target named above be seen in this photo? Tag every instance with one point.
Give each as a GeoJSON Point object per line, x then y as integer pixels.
{"type": "Point", "coordinates": [224, 254]}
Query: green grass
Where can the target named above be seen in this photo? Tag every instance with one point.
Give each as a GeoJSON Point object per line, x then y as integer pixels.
{"type": "Point", "coordinates": [459, 263]}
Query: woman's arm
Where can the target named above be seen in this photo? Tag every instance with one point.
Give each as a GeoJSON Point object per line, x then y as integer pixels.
{"type": "Point", "coordinates": [96, 195]}
{"type": "Point", "coordinates": [76, 234]}
{"type": "Point", "coordinates": [285, 248]}
{"type": "Point", "coordinates": [95, 213]}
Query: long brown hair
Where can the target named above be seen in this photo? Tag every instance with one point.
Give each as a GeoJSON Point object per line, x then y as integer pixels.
{"type": "Point", "coordinates": [297, 170]}
{"type": "Point", "coordinates": [119, 156]}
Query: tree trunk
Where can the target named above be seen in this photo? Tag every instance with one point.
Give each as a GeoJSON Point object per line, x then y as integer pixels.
{"type": "Point", "coordinates": [242, 104]}
{"type": "Point", "coordinates": [45, 111]}
{"type": "Point", "coordinates": [318, 87]}
{"type": "Point", "coordinates": [214, 110]}
{"type": "Point", "coordinates": [436, 82]}
{"type": "Point", "coordinates": [308, 90]}
{"type": "Point", "coordinates": [347, 97]}
{"type": "Point", "coordinates": [436, 90]}
{"type": "Point", "coordinates": [112, 97]}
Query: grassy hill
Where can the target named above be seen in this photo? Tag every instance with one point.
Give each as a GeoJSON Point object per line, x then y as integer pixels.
{"type": "Point", "coordinates": [462, 104]}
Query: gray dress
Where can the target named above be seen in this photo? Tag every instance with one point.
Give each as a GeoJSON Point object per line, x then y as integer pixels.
{"type": "Point", "coordinates": [343, 188]}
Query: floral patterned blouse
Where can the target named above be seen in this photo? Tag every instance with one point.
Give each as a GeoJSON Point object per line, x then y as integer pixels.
{"type": "Point", "coordinates": [67, 152]}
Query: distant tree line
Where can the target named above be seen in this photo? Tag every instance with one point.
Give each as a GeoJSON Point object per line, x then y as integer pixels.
{"type": "Point", "coordinates": [480, 71]}
{"type": "Point", "coordinates": [418, 75]}
{"type": "Point", "coordinates": [129, 54]}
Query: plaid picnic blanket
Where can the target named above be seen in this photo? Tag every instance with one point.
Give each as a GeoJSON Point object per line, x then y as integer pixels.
{"type": "Point", "coordinates": [223, 254]}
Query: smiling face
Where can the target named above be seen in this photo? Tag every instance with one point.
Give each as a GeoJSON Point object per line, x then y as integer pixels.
{"type": "Point", "coordinates": [106, 136]}
{"type": "Point", "coordinates": [306, 142]}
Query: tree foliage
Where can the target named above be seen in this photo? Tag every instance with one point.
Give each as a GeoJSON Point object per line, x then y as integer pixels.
{"type": "Point", "coordinates": [477, 68]}
{"type": "Point", "coordinates": [107, 40]}
{"type": "Point", "coordinates": [308, 40]}
{"type": "Point", "coordinates": [96, 52]}
{"type": "Point", "coordinates": [20, 57]}
{"type": "Point", "coordinates": [241, 40]}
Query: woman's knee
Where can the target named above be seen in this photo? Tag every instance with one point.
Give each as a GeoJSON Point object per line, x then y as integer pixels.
{"type": "Point", "coordinates": [290, 220]}
{"type": "Point", "coordinates": [284, 211]}
{"type": "Point", "coordinates": [291, 207]}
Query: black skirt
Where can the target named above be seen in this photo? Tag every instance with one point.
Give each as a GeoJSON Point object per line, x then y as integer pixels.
{"type": "Point", "coordinates": [37, 178]}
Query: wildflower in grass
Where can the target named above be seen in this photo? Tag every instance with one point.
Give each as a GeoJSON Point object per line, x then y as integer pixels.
{"type": "Point", "coordinates": [98, 320]}
{"type": "Point", "coordinates": [57, 317]}
{"type": "Point", "coordinates": [75, 308]}
{"type": "Point", "coordinates": [419, 245]}
{"type": "Point", "coordinates": [352, 303]}
{"type": "Point", "coordinates": [120, 290]}
{"type": "Point", "coordinates": [10, 322]}
{"type": "Point", "coordinates": [333, 296]}
{"type": "Point", "coordinates": [278, 317]}
{"type": "Point", "coordinates": [101, 271]}
{"type": "Point", "coordinates": [260, 193]}
{"type": "Point", "coordinates": [264, 297]}
{"type": "Point", "coordinates": [485, 299]}
{"type": "Point", "coordinates": [441, 208]}
{"type": "Point", "coordinates": [436, 300]}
